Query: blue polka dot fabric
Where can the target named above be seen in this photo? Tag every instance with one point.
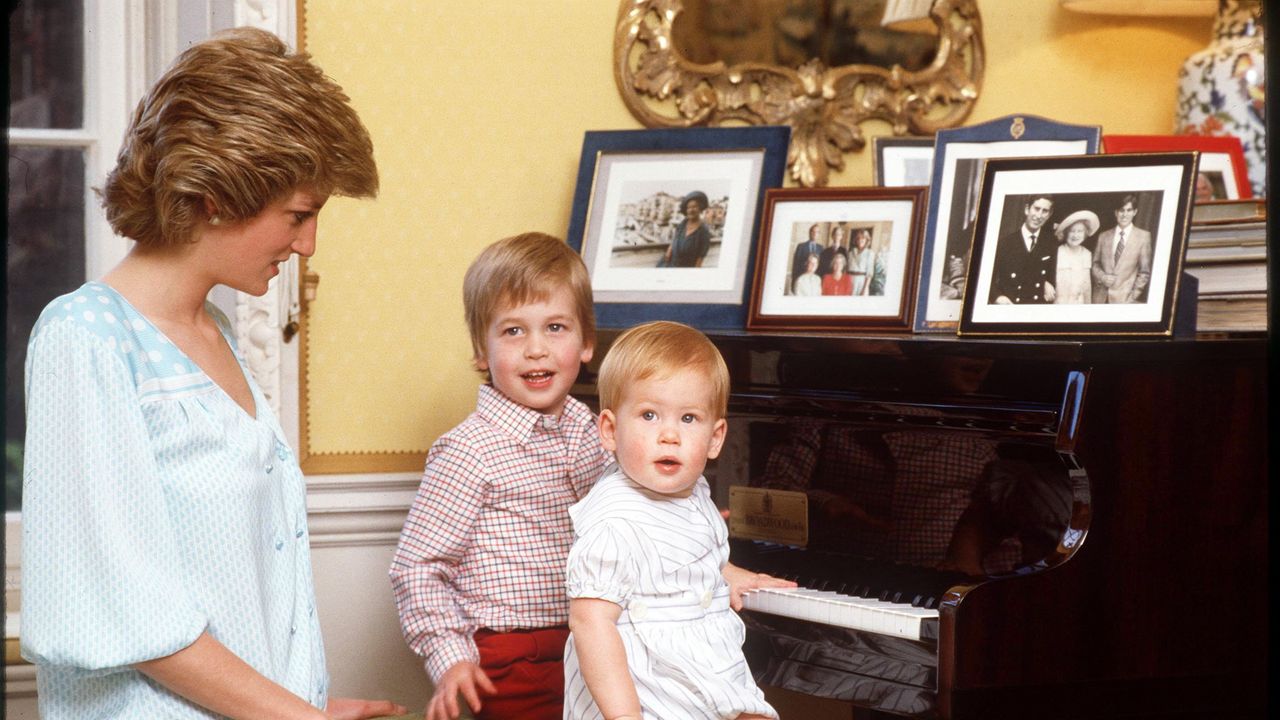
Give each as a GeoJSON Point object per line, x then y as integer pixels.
{"type": "Point", "coordinates": [155, 508]}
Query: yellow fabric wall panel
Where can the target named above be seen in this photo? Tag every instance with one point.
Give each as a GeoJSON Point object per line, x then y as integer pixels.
{"type": "Point", "coordinates": [477, 111]}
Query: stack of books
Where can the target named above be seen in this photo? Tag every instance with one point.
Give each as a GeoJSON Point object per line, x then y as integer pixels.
{"type": "Point", "coordinates": [1227, 252]}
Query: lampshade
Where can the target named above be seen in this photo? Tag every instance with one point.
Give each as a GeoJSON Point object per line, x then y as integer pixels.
{"type": "Point", "coordinates": [909, 16]}
{"type": "Point", "coordinates": [1182, 8]}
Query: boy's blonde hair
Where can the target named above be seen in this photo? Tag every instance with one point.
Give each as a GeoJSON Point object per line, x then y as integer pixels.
{"type": "Point", "coordinates": [660, 349]}
{"type": "Point", "coordinates": [240, 121]}
{"type": "Point", "coordinates": [520, 269]}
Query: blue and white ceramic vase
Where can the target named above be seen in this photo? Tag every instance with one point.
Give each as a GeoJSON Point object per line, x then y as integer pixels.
{"type": "Point", "coordinates": [1222, 89]}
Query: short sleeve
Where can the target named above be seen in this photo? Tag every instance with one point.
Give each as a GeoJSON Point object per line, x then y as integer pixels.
{"type": "Point", "coordinates": [103, 584]}
{"type": "Point", "coordinates": [600, 565]}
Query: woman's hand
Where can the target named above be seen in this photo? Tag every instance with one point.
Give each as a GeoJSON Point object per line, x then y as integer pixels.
{"type": "Point", "coordinates": [465, 678]}
{"type": "Point", "coordinates": [742, 581]}
{"type": "Point", "coordinates": [356, 709]}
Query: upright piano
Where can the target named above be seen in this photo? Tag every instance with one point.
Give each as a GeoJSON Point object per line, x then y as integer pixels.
{"type": "Point", "coordinates": [1001, 528]}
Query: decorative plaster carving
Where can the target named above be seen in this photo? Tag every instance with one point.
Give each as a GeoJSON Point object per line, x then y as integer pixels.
{"type": "Point", "coordinates": [260, 321]}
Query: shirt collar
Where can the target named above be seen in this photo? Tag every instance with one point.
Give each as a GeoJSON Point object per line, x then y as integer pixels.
{"type": "Point", "coordinates": [520, 422]}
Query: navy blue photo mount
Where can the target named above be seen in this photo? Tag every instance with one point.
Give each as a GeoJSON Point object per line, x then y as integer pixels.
{"type": "Point", "coordinates": [773, 140]}
{"type": "Point", "coordinates": [1019, 128]}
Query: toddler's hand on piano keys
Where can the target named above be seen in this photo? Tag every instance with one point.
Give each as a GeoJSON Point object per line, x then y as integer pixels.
{"type": "Point", "coordinates": [743, 581]}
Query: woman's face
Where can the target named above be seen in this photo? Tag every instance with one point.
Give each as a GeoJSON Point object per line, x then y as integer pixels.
{"type": "Point", "coordinates": [247, 254]}
{"type": "Point", "coordinates": [1076, 234]}
{"type": "Point", "coordinates": [693, 210]}
{"type": "Point", "coordinates": [837, 265]}
{"type": "Point", "coordinates": [811, 264]}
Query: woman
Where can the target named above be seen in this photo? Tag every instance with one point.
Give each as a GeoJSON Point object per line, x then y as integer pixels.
{"type": "Point", "coordinates": [692, 239]}
{"type": "Point", "coordinates": [1072, 279]}
{"type": "Point", "coordinates": [837, 282]}
{"type": "Point", "coordinates": [808, 284]}
{"type": "Point", "coordinates": [167, 571]}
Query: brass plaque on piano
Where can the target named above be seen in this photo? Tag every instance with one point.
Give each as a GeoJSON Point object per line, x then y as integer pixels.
{"type": "Point", "coordinates": [780, 516]}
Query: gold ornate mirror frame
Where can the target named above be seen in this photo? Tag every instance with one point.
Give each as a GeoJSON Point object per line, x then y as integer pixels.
{"type": "Point", "coordinates": [825, 106]}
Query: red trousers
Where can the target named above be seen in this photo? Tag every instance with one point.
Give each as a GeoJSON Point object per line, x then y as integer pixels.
{"type": "Point", "coordinates": [527, 666]}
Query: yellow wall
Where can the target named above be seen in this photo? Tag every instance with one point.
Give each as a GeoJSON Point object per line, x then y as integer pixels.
{"type": "Point", "coordinates": [477, 111]}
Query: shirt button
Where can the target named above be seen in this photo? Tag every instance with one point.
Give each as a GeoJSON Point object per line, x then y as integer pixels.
{"type": "Point", "coordinates": [293, 629]}
{"type": "Point", "coordinates": [549, 423]}
{"type": "Point", "coordinates": [639, 611]}
{"type": "Point", "coordinates": [279, 544]}
{"type": "Point", "coordinates": [270, 468]}
{"type": "Point", "coordinates": [705, 602]}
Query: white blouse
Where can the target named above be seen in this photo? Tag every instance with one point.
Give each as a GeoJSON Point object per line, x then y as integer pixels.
{"type": "Point", "coordinates": [661, 560]}
{"type": "Point", "coordinates": [154, 509]}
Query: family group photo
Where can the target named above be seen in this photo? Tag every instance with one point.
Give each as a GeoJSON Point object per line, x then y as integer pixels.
{"type": "Point", "coordinates": [825, 262]}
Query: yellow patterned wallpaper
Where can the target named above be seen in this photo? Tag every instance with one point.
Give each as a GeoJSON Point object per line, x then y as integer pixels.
{"type": "Point", "coordinates": [477, 111]}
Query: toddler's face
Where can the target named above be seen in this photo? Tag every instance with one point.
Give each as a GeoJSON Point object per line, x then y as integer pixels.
{"type": "Point", "coordinates": [664, 431]}
{"type": "Point", "coordinates": [533, 351]}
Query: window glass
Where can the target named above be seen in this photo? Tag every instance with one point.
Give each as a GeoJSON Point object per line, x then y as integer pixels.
{"type": "Point", "coordinates": [46, 65]}
{"type": "Point", "coordinates": [46, 258]}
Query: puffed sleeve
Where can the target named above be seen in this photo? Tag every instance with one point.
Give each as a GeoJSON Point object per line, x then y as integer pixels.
{"type": "Point", "coordinates": [102, 574]}
{"type": "Point", "coordinates": [600, 565]}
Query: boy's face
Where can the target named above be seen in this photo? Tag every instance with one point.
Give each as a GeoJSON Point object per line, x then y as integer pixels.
{"type": "Point", "coordinates": [664, 431]}
{"type": "Point", "coordinates": [533, 351]}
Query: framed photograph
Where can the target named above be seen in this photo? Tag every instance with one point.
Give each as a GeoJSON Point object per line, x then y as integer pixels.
{"type": "Point", "coordinates": [958, 156]}
{"type": "Point", "coordinates": [1223, 174]}
{"type": "Point", "coordinates": [1079, 246]}
{"type": "Point", "coordinates": [902, 161]}
{"type": "Point", "coordinates": [666, 221]}
{"type": "Point", "coordinates": [837, 259]}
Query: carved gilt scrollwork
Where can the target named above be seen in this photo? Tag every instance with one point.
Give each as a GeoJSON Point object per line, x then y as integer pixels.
{"type": "Point", "coordinates": [825, 106]}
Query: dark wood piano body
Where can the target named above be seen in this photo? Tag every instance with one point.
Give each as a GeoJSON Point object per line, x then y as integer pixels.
{"type": "Point", "coordinates": [1159, 609]}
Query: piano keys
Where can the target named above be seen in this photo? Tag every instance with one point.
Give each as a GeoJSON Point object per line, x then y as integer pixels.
{"type": "Point", "coordinates": [883, 617]}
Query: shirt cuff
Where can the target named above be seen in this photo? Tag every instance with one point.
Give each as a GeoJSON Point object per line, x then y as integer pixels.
{"type": "Point", "coordinates": [459, 648]}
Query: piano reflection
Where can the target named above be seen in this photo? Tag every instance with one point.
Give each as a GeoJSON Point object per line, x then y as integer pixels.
{"type": "Point", "coordinates": [987, 529]}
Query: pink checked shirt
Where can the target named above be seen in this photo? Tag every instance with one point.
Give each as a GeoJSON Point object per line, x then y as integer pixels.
{"type": "Point", "coordinates": [487, 538]}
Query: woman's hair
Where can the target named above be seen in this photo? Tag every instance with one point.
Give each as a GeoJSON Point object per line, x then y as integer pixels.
{"type": "Point", "coordinates": [696, 196]}
{"type": "Point", "coordinates": [521, 269]}
{"type": "Point", "coordinates": [241, 121]}
{"type": "Point", "coordinates": [658, 350]}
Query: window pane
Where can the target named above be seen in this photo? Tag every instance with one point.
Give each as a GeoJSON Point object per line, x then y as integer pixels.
{"type": "Point", "coordinates": [46, 65]}
{"type": "Point", "coordinates": [45, 259]}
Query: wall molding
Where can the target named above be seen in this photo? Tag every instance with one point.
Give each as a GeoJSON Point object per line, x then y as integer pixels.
{"type": "Point", "coordinates": [358, 510]}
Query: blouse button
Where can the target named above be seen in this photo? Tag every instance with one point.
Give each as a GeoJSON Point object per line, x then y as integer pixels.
{"type": "Point", "coordinates": [280, 452]}
{"type": "Point", "coordinates": [270, 468]}
{"type": "Point", "coordinates": [279, 544]}
{"type": "Point", "coordinates": [705, 602]}
{"type": "Point", "coordinates": [297, 533]}
{"type": "Point", "coordinates": [639, 611]}
{"type": "Point", "coordinates": [293, 629]}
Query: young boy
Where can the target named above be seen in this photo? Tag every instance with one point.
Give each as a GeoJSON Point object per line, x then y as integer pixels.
{"type": "Point", "coordinates": [653, 634]}
{"type": "Point", "coordinates": [478, 575]}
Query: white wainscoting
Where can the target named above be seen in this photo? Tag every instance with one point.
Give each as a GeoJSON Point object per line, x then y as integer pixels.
{"type": "Point", "coordinates": [355, 521]}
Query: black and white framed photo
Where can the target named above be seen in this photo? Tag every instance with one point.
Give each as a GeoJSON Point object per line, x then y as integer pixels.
{"type": "Point", "coordinates": [958, 157]}
{"type": "Point", "coordinates": [1079, 246]}
{"type": "Point", "coordinates": [902, 161]}
{"type": "Point", "coordinates": [666, 221]}
{"type": "Point", "coordinates": [837, 259]}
